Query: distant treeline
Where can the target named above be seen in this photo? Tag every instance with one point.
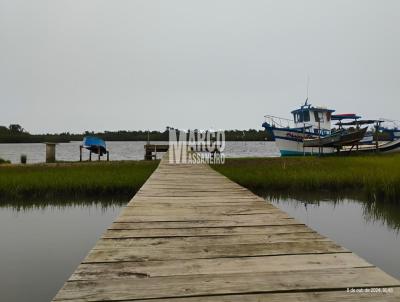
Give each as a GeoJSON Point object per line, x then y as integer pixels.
{"type": "Point", "coordinates": [16, 134]}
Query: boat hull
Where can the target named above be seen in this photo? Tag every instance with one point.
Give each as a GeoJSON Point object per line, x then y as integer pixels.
{"type": "Point", "coordinates": [290, 143]}
{"type": "Point", "coordinates": [94, 144]}
{"type": "Point", "coordinates": [388, 147]}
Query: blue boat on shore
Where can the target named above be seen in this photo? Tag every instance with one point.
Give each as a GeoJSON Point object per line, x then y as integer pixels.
{"type": "Point", "coordinates": [94, 144]}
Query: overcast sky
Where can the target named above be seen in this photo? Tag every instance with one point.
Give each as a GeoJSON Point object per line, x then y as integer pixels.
{"type": "Point", "coordinates": [75, 65]}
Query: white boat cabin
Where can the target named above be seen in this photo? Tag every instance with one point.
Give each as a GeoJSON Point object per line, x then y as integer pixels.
{"type": "Point", "coordinates": [313, 119]}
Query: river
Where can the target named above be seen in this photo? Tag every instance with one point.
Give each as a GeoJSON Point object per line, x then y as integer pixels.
{"type": "Point", "coordinates": [42, 244]}
{"type": "Point", "coordinates": [124, 151]}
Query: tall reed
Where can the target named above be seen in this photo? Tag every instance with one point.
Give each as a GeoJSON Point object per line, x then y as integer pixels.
{"type": "Point", "coordinates": [73, 180]}
{"type": "Point", "coordinates": [376, 177]}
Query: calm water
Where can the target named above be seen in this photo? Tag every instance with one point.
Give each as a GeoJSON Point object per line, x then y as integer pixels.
{"type": "Point", "coordinates": [124, 151]}
{"type": "Point", "coordinates": [369, 230]}
{"type": "Point", "coordinates": [41, 247]}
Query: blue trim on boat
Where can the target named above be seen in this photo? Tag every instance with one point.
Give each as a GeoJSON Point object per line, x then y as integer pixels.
{"type": "Point", "coordinates": [294, 153]}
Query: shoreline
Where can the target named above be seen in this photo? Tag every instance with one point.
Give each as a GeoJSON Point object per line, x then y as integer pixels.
{"type": "Point", "coordinates": [372, 177]}
{"type": "Point", "coordinates": [73, 179]}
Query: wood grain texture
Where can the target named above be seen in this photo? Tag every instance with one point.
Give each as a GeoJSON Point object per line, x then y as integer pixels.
{"type": "Point", "coordinates": [219, 284]}
{"type": "Point", "coordinates": [190, 234]}
{"type": "Point", "coordinates": [314, 296]}
{"type": "Point", "coordinates": [146, 269]}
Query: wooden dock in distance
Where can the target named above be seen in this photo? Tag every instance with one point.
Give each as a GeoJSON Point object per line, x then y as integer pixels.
{"type": "Point", "coordinates": [190, 234]}
{"type": "Point", "coordinates": [151, 150]}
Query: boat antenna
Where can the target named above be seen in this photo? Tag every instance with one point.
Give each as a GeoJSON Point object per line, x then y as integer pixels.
{"type": "Point", "coordinates": [308, 88]}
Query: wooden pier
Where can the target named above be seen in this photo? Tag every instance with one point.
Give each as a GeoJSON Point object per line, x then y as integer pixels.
{"type": "Point", "coordinates": [151, 150]}
{"type": "Point", "coordinates": [190, 234]}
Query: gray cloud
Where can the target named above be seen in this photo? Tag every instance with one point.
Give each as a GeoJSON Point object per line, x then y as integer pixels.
{"type": "Point", "coordinates": [71, 65]}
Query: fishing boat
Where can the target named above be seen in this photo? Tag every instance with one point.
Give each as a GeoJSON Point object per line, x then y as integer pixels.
{"type": "Point", "coordinates": [310, 131]}
{"type": "Point", "coordinates": [394, 133]}
{"type": "Point", "coordinates": [391, 128]}
{"type": "Point", "coordinates": [95, 145]}
{"type": "Point", "coordinates": [368, 144]}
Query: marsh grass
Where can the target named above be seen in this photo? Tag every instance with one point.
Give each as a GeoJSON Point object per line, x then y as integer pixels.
{"type": "Point", "coordinates": [374, 177]}
{"type": "Point", "coordinates": [27, 205]}
{"type": "Point", "coordinates": [72, 181]}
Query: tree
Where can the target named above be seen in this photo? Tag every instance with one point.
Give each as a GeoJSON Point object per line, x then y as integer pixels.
{"type": "Point", "coordinates": [15, 128]}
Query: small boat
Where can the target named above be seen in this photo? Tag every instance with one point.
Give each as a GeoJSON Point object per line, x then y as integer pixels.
{"type": "Point", "coordinates": [337, 139]}
{"type": "Point", "coordinates": [382, 147]}
{"type": "Point", "coordinates": [367, 144]}
{"type": "Point", "coordinates": [368, 137]}
{"type": "Point", "coordinates": [391, 129]}
{"type": "Point", "coordinates": [393, 133]}
{"type": "Point", "coordinates": [94, 144]}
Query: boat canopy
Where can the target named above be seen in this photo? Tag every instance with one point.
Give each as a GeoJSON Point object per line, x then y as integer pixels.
{"type": "Point", "coordinates": [308, 107]}
{"type": "Point", "coordinates": [359, 122]}
{"type": "Point", "coordinates": [345, 116]}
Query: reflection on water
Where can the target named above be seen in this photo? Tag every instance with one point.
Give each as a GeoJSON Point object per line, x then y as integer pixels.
{"type": "Point", "coordinates": [369, 229]}
{"type": "Point", "coordinates": [42, 243]}
{"type": "Point", "coordinates": [387, 213]}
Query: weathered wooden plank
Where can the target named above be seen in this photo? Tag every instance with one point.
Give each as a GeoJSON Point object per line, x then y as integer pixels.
{"type": "Point", "coordinates": [316, 296]}
{"type": "Point", "coordinates": [218, 284]}
{"type": "Point", "coordinates": [128, 230]}
{"type": "Point", "coordinates": [203, 210]}
{"type": "Point", "coordinates": [207, 240]}
{"type": "Point", "coordinates": [124, 270]}
{"type": "Point", "coordinates": [147, 253]}
{"type": "Point", "coordinates": [187, 204]}
{"type": "Point", "coordinates": [264, 219]}
{"type": "Point", "coordinates": [198, 199]}
{"type": "Point", "coordinates": [218, 206]}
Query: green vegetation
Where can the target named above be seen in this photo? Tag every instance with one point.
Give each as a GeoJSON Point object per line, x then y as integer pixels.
{"type": "Point", "coordinates": [372, 177]}
{"type": "Point", "coordinates": [3, 161]}
{"type": "Point", "coordinates": [73, 180]}
{"type": "Point", "coordinates": [60, 203]}
{"type": "Point", "coordinates": [16, 134]}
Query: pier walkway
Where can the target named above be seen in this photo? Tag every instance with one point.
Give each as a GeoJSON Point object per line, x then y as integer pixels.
{"type": "Point", "coordinates": [190, 234]}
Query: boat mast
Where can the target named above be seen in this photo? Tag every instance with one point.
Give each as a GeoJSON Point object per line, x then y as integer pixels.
{"type": "Point", "coordinates": [302, 113]}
